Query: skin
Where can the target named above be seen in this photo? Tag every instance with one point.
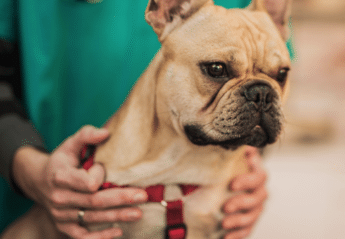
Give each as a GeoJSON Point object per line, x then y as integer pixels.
{"type": "Point", "coordinates": [55, 181]}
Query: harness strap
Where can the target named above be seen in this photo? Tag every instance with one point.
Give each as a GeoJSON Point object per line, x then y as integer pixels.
{"type": "Point", "coordinates": [176, 228]}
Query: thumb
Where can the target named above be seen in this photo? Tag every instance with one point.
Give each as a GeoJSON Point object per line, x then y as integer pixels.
{"type": "Point", "coordinates": [81, 180]}
{"type": "Point", "coordinates": [86, 135]}
{"type": "Point", "coordinates": [253, 158]}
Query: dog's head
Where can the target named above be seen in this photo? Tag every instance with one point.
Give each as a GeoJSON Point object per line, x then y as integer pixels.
{"type": "Point", "coordinates": [225, 71]}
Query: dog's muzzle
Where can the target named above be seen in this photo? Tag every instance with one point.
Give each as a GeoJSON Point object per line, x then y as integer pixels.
{"type": "Point", "coordinates": [252, 115]}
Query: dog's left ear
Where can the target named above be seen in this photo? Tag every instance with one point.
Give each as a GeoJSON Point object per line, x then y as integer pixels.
{"type": "Point", "coordinates": [165, 15]}
{"type": "Point", "coordinates": [279, 10]}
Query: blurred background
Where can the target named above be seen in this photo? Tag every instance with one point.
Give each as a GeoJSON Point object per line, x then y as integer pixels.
{"type": "Point", "coordinates": [307, 166]}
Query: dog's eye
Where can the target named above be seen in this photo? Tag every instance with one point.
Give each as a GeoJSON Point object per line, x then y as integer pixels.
{"type": "Point", "coordinates": [282, 74]}
{"type": "Point", "coordinates": [216, 70]}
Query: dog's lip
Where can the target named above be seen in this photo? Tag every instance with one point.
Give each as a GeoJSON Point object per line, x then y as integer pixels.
{"type": "Point", "coordinates": [257, 137]}
{"type": "Point", "coordinates": [248, 138]}
{"type": "Point", "coordinates": [235, 137]}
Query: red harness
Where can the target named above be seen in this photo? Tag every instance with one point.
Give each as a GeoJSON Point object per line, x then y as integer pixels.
{"type": "Point", "coordinates": [176, 228]}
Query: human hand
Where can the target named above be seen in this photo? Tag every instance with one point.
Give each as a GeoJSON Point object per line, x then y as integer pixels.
{"type": "Point", "coordinates": [56, 182]}
{"type": "Point", "coordinates": [243, 210]}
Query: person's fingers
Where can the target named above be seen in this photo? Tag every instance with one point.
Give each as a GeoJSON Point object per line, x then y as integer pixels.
{"type": "Point", "coordinates": [101, 216]}
{"type": "Point", "coordinates": [246, 201]}
{"type": "Point", "coordinates": [232, 221]}
{"type": "Point", "coordinates": [249, 181]}
{"type": "Point", "coordinates": [251, 151]}
{"type": "Point", "coordinates": [86, 135]}
{"type": "Point", "coordinates": [76, 231]}
{"type": "Point", "coordinates": [252, 180]}
{"type": "Point", "coordinates": [239, 233]}
{"type": "Point", "coordinates": [100, 200]}
{"type": "Point", "coordinates": [80, 179]}
{"type": "Point", "coordinates": [253, 158]}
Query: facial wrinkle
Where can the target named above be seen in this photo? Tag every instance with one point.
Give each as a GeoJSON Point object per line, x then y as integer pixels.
{"type": "Point", "coordinates": [257, 35]}
{"type": "Point", "coordinates": [248, 48]}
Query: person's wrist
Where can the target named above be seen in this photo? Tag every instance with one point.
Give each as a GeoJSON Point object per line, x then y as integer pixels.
{"type": "Point", "coordinates": [27, 169]}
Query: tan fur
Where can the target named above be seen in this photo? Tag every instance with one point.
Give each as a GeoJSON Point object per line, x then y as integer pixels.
{"type": "Point", "coordinates": [148, 145]}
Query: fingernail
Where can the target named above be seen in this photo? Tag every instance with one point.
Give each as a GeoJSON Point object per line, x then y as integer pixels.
{"type": "Point", "coordinates": [102, 131]}
{"type": "Point", "coordinates": [227, 225]}
{"type": "Point", "coordinates": [139, 197]}
{"type": "Point", "coordinates": [133, 214]}
{"type": "Point", "coordinates": [231, 209]}
{"type": "Point", "coordinates": [235, 186]}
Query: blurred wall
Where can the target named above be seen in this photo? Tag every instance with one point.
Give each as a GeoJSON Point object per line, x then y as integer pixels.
{"type": "Point", "coordinates": [317, 101]}
{"type": "Point", "coordinates": [306, 168]}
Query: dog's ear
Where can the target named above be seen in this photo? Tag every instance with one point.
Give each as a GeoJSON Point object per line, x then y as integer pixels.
{"type": "Point", "coordinates": [279, 10]}
{"type": "Point", "coordinates": [165, 15]}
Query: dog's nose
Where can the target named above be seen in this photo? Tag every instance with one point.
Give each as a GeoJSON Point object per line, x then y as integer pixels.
{"type": "Point", "coordinates": [260, 95]}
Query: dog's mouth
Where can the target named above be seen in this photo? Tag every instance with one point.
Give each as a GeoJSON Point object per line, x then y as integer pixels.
{"type": "Point", "coordinates": [251, 115]}
{"type": "Point", "coordinates": [259, 136]}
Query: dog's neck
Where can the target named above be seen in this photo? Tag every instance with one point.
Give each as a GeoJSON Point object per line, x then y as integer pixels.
{"type": "Point", "coordinates": [139, 134]}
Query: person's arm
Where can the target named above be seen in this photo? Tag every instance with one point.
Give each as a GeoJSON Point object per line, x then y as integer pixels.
{"type": "Point", "coordinates": [15, 130]}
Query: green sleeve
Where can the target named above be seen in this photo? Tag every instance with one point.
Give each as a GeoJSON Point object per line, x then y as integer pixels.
{"type": "Point", "coordinates": [7, 19]}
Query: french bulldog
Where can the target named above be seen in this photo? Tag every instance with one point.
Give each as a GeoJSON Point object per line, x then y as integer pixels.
{"type": "Point", "coordinates": [217, 83]}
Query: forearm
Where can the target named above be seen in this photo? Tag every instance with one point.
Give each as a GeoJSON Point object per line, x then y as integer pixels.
{"type": "Point", "coordinates": [15, 130]}
{"type": "Point", "coordinates": [28, 169]}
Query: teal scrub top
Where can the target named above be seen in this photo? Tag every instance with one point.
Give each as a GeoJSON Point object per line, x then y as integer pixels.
{"type": "Point", "coordinates": [79, 61]}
